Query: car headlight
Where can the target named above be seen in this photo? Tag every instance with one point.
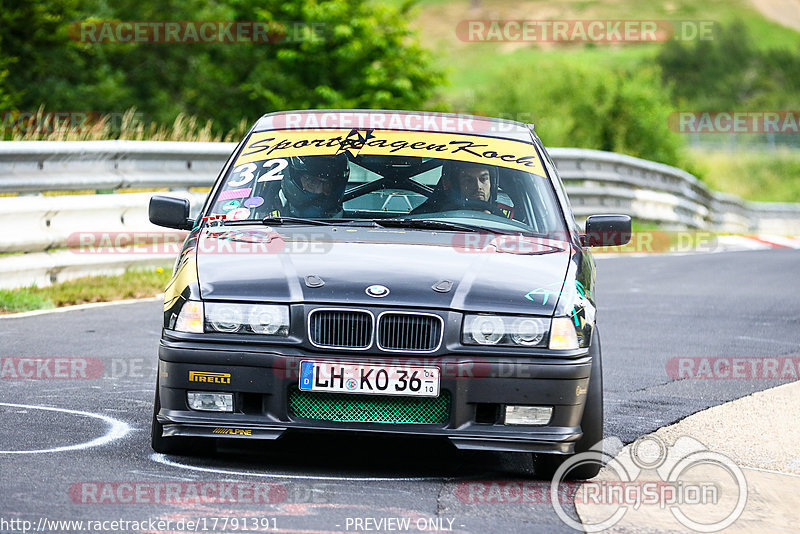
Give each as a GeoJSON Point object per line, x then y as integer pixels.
{"type": "Point", "coordinates": [528, 332]}
{"type": "Point", "coordinates": [484, 329]}
{"type": "Point", "coordinates": [502, 330]}
{"type": "Point", "coordinates": [269, 320]}
{"type": "Point", "coordinates": [226, 318]}
{"type": "Point", "coordinates": [265, 319]}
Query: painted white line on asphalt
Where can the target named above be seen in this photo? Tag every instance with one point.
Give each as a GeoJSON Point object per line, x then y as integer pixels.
{"type": "Point", "coordinates": [117, 429]}
{"type": "Point", "coordinates": [782, 473]}
{"type": "Point", "coordinates": [79, 307]}
{"type": "Point", "coordinates": [768, 340]}
{"type": "Point", "coordinates": [162, 459]}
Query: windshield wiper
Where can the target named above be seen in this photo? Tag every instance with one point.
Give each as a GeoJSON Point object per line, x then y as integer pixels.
{"type": "Point", "coordinates": [294, 220]}
{"type": "Point", "coordinates": [432, 224]}
{"type": "Point", "coordinates": [364, 223]}
{"type": "Point", "coordinates": [427, 224]}
{"type": "Point", "coordinates": [277, 221]}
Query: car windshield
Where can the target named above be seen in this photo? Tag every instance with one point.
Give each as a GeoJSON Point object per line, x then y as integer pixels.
{"type": "Point", "coordinates": [380, 175]}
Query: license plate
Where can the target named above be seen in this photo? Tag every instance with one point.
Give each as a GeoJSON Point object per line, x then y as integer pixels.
{"type": "Point", "coordinates": [339, 377]}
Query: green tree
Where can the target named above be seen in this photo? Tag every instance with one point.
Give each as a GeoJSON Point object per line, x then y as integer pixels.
{"type": "Point", "coordinates": [586, 106]}
{"type": "Point", "coordinates": [45, 66]}
{"type": "Point", "coordinates": [6, 100]}
{"type": "Point", "coordinates": [730, 72]}
{"type": "Point", "coordinates": [348, 53]}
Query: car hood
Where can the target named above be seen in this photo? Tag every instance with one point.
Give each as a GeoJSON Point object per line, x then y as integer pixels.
{"type": "Point", "coordinates": [335, 265]}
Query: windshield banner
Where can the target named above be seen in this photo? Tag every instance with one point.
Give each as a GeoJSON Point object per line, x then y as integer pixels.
{"type": "Point", "coordinates": [507, 153]}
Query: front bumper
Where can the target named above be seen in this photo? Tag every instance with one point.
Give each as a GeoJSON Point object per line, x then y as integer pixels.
{"type": "Point", "coordinates": [478, 386]}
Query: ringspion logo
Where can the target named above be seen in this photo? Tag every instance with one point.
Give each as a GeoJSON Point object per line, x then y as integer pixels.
{"type": "Point", "coordinates": [683, 478]}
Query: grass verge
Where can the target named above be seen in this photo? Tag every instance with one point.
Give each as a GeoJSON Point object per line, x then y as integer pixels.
{"type": "Point", "coordinates": [134, 283]}
{"type": "Point", "coordinates": [132, 128]}
{"type": "Point", "coordinates": [765, 176]}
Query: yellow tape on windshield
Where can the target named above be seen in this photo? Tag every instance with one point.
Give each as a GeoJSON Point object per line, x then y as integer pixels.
{"type": "Point", "coordinates": [275, 144]}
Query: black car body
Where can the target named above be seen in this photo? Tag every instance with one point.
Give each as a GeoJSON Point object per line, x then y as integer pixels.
{"type": "Point", "coordinates": [383, 291]}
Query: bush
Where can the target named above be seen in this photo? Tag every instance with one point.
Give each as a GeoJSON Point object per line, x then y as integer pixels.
{"type": "Point", "coordinates": [359, 54]}
{"type": "Point", "coordinates": [576, 105]}
{"type": "Point", "coordinates": [730, 73]}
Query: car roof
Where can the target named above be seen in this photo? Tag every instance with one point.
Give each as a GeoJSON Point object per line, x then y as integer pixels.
{"type": "Point", "coordinates": [430, 121]}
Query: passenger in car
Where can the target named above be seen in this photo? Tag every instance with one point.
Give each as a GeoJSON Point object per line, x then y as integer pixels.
{"type": "Point", "coordinates": [312, 186]}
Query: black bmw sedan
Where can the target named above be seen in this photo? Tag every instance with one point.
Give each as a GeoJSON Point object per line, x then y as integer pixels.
{"type": "Point", "coordinates": [392, 272]}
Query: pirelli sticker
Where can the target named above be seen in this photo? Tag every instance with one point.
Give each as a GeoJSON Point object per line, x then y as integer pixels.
{"type": "Point", "coordinates": [274, 144]}
{"type": "Point", "coordinates": [209, 378]}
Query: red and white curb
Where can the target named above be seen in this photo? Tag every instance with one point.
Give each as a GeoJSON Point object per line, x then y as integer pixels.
{"type": "Point", "coordinates": [756, 242]}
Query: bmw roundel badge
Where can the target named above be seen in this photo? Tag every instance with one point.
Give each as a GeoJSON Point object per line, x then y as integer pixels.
{"type": "Point", "coordinates": [377, 290]}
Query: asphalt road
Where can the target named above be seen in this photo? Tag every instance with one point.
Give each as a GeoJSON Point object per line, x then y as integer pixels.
{"type": "Point", "coordinates": [652, 309]}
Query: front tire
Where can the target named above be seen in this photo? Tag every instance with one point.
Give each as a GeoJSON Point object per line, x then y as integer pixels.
{"type": "Point", "coordinates": [545, 465]}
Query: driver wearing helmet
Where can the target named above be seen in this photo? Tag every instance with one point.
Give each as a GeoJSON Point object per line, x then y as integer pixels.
{"type": "Point", "coordinates": [312, 186]}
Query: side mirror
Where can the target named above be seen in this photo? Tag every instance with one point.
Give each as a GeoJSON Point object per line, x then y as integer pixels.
{"type": "Point", "coordinates": [170, 212]}
{"type": "Point", "coordinates": [607, 231]}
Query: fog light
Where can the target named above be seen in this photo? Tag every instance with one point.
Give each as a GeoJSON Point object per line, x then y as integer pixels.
{"type": "Point", "coordinates": [528, 415]}
{"type": "Point", "coordinates": [207, 401]}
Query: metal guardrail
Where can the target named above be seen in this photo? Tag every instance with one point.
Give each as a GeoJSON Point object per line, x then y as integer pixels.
{"type": "Point", "coordinates": [33, 166]}
{"type": "Point", "coordinates": [650, 191]}
{"type": "Point", "coordinates": [597, 182]}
